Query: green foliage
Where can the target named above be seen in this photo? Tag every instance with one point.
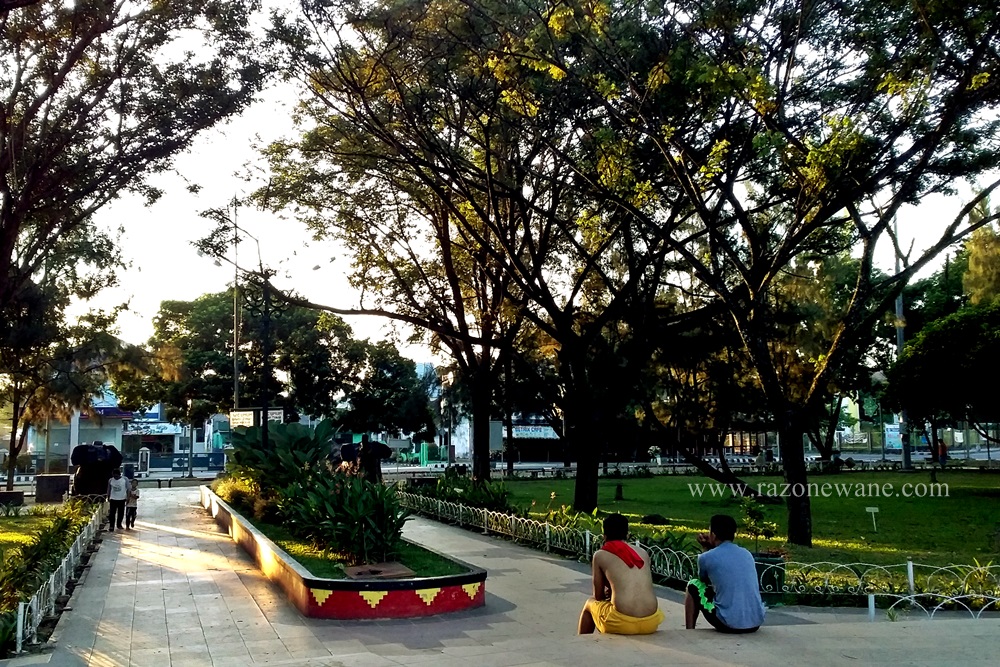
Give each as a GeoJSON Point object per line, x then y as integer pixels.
{"type": "Point", "coordinates": [754, 523]}
{"type": "Point", "coordinates": [238, 492]}
{"type": "Point", "coordinates": [291, 449]}
{"type": "Point", "coordinates": [960, 345]}
{"type": "Point", "coordinates": [24, 568]}
{"type": "Point", "coordinates": [567, 517]}
{"type": "Point", "coordinates": [455, 488]}
{"type": "Point", "coordinates": [672, 540]}
{"type": "Point", "coordinates": [345, 514]}
{"type": "Point", "coordinates": [267, 510]}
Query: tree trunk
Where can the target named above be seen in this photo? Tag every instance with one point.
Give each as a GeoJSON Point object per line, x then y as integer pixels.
{"type": "Point", "coordinates": [585, 434]}
{"type": "Point", "coordinates": [586, 443]}
{"type": "Point", "coordinates": [794, 464]}
{"type": "Point", "coordinates": [481, 400]}
{"type": "Point", "coordinates": [14, 446]}
{"type": "Point", "coordinates": [508, 418]}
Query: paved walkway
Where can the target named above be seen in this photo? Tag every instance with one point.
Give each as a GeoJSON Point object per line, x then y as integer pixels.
{"type": "Point", "coordinates": [176, 593]}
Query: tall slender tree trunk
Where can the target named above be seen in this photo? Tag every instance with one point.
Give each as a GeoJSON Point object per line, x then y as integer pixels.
{"type": "Point", "coordinates": [794, 463]}
{"type": "Point", "coordinates": [481, 401]}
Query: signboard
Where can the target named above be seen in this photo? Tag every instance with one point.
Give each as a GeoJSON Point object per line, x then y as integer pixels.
{"type": "Point", "coordinates": [540, 432]}
{"type": "Point", "coordinates": [277, 415]}
{"type": "Point", "coordinates": [892, 438]}
{"type": "Point", "coordinates": [241, 418]}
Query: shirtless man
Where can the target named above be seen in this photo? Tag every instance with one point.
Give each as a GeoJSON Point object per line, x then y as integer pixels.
{"type": "Point", "coordinates": [624, 602]}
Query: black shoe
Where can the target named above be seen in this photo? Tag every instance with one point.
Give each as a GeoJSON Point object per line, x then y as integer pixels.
{"type": "Point", "coordinates": [119, 527]}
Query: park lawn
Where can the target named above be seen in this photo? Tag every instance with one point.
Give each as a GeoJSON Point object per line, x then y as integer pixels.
{"type": "Point", "coordinates": [961, 528]}
{"type": "Point", "coordinates": [19, 530]}
{"type": "Point", "coordinates": [329, 565]}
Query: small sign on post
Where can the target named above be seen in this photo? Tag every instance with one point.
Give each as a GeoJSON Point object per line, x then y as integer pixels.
{"type": "Point", "coordinates": [873, 511]}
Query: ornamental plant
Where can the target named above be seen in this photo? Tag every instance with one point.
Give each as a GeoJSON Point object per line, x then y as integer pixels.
{"type": "Point", "coordinates": [346, 514]}
{"type": "Point", "coordinates": [290, 449]}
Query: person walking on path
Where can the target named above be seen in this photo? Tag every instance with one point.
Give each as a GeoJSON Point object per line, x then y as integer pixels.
{"type": "Point", "coordinates": [624, 602]}
{"type": "Point", "coordinates": [117, 496]}
{"type": "Point", "coordinates": [732, 603]}
{"type": "Point", "coordinates": [132, 504]}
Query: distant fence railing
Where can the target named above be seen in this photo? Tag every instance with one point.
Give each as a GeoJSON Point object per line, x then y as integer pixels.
{"type": "Point", "coordinates": [41, 605]}
{"type": "Point", "coordinates": [907, 586]}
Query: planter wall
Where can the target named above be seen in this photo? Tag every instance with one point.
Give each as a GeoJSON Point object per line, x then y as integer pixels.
{"type": "Point", "coordinates": [349, 598]}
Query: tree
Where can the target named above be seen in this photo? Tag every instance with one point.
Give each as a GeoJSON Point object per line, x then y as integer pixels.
{"type": "Point", "coordinates": [982, 276]}
{"type": "Point", "coordinates": [699, 139]}
{"type": "Point", "coordinates": [787, 130]}
{"type": "Point", "coordinates": [97, 96]}
{"type": "Point", "coordinates": [934, 378]}
{"type": "Point", "coordinates": [59, 370]}
{"type": "Point", "coordinates": [389, 397]}
{"type": "Point", "coordinates": [190, 361]}
{"type": "Point", "coordinates": [506, 226]}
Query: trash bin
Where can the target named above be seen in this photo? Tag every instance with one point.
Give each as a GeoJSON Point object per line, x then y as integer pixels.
{"type": "Point", "coordinates": [51, 488]}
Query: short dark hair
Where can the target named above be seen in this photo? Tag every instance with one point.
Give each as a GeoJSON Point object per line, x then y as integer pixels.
{"type": "Point", "coordinates": [724, 527]}
{"type": "Point", "coordinates": [615, 527]}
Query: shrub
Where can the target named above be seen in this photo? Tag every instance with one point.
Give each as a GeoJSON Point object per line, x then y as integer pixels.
{"type": "Point", "coordinates": [345, 514]}
{"type": "Point", "coordinates": [267, 510]}
{"type": "Point", "coordinates": [291, 448]}
{"type": "Point", "coordinates": [239, 492]}
{"type": "Point", "coordinates": [655, 520]}
{"type": "Point", "coordinates": [455, 488]}
{"type": "Point", "coordinates": [24, 568]}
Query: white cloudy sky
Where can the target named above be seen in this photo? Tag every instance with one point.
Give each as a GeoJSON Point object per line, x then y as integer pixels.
{"type": "Point", "coordinates": [157, 240]}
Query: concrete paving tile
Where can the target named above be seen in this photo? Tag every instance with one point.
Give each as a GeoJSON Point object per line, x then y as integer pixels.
{"type": "Point", "coordinates": [224, 648]}
{"type": "Point", "coordinates": [317, 652]}
{"type": "Point", "coordinates": [343, 646]}
{"type": "Point", "coordinates": [365, 660]}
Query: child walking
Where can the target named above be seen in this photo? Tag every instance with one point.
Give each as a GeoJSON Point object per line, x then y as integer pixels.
{"type": "Point", "coordinates": [132, 504]}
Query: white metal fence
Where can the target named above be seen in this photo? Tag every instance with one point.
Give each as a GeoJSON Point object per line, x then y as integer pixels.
{"type": "Point", "coordinates": [901, 588]}
{"type": "Point", "coordinates": [34, 610]}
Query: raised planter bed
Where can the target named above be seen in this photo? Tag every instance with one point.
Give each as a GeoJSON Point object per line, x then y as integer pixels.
{"type": "Point", "coordinates": [349, 598]}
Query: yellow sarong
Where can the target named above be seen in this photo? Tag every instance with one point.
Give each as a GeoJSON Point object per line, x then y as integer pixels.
{"type": "Point", "coordinates": [611, 621]}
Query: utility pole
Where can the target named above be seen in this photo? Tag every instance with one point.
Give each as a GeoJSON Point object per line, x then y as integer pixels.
{"type": "Point", "coordinates": [904, 420]}
{"type": "Point", "coordinates": [236, 309]}
{"type": "Point", "coordinates": [265, 347]}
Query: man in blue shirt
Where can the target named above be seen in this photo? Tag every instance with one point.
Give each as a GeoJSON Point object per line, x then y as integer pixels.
{"type": "Point", "coordinates": [732, 603]}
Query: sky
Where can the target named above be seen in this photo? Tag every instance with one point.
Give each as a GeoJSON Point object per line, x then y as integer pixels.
{"type": "Point", "coordinates": [157, 240]}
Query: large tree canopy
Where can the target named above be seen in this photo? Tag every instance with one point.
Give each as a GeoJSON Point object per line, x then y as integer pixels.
{"type": "Point", "coordinates": [942, 373]}
{"type": "Point", "coordinates": [94, 97]}
{"type": "Point", "coordinates": [668, 163]}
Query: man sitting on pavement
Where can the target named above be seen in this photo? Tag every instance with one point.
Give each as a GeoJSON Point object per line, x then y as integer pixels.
{"type": "Point", "coordinates": [624, 602]}
{"type": "Point", "coordinates": [732, 603]}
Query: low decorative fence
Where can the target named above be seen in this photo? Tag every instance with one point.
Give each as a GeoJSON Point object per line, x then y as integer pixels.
{"type": "Point", "coordinates": [34, 610]}
{"type": "Point", "coordinates": [897, 589]}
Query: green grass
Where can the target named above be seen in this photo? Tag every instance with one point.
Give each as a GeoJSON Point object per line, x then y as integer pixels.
{"type": "Point", "coordinates": [958, 528]}
{"type": "Point", "coordinates": [329, 565]}
{"type": "Point", "coordinates": [19, 530]}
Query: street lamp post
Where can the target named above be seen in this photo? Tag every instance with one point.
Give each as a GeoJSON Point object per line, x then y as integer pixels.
{"type": "Point", "coordinates": [191, 445]}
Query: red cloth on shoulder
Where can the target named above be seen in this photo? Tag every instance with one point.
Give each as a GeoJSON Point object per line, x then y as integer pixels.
{"type": "Point", "coordinates": [621, 549]}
